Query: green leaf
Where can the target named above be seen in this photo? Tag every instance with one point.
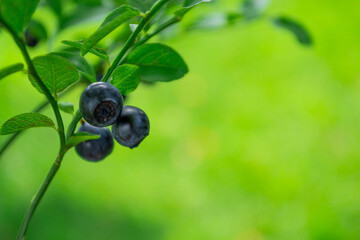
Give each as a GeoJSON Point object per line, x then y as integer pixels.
{"type": "Point", "coordinates": [25, 121]}
{"type": "Point", "coordinates": [56, 72]}
{"type": "Point", "coordinates": [6, 71]}
{"type": "Point", "coordinates": [142, 5]}
{"type": "Point", "coordinates": [301, 34]}
{"type": "Point", "coordinates": [117, 17]}
{"type": "Point", "coordinates": [17, 13]}
{"type": "Point", "coordinates": [85, 69]}
{"type": "Point", "coordinates": [126, 78]}
{"type": "Point", "coordinates": [66, 107]}
{"type": "Point", "coordinates": [251, 9]}
{"type": "Point", "coordinates": [80, 137]}
{"type": "Point", "coordinates": [188, 5]}
{"type": "Point", "coordinates": [158, 63]}
{"type": "Point", "coordinates": [101, 53]}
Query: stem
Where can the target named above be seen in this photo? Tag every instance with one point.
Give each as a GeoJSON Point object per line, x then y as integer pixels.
{"type": "Point", "coordinates": [21, 44]}
{"type": "Point", "coordinates": [145, 20]}
{"type": "Point", "coordinates": [159, 29]}
{"type": "Point", "coordinates": [77, 117]}
{"type": "Point", "coordinates": [36, 200]}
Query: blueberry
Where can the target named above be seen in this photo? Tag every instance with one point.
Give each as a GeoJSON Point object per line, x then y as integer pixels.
{"type": "Point", "coordinates": [31, 40]}
{"type": "Point", "coordinates": [131, 127]}
{"type": "Point", "coordinates": [98, 149]}
{"type": "Point", "coordinates": [101, 104]}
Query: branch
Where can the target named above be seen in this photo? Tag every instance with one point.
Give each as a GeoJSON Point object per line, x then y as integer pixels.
{"type": "Point", "coordinates": [21, 44]}
{"type": "Point", "coordinates": [36, 200]}
{"type": "Point", "coordinates": [159, 29]}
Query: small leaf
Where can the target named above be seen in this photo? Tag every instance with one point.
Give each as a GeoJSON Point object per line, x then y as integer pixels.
{"type": "Point", "coordinates": [66, 107]}
{"type": "Point", "coordinates": [25, 121]}
{"type": "Point", "coordinates": [126, 78]}
{"type": "Point", "coordinates": [81, 64]}
{"type": "Point", "coordinates": [117, 17]}
{"type": "Point", "coordinates": [80, 137]}
{"type": "Point", "coordinates": [251, 9]}
{"type": "Point", "coordinates": [56, 72]}
{"type": "Point", "coordinates": [17, 13]}
{"type": "Point", "coordinates": [302, 35]}
{"type": "Point", "coordinates": [101, 53]}
{"type": "Point", "coordinates": [6, 71]}
{"type": "Point", "coordinates": [142, 5]}
{"type": "Point", "coordinates": [158, 63]}
{"type": "Point", "coordinates": [188, 5]}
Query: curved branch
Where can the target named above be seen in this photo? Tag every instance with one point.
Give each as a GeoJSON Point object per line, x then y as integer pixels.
{"type": "Point", "coordinates": [21, 44]}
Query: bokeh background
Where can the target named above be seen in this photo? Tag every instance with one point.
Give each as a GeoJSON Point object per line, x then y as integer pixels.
{"type": "Point", "coordinates": [259, 141]}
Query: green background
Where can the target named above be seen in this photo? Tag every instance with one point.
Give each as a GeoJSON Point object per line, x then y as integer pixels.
{"type": "Point", "coordinates": [259, 141]}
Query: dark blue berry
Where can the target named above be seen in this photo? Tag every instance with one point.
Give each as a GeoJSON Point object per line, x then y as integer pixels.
{"type": "Point", "coordinates": [34, 33]}
{"type": "Point", "coordinates": [31, 40]}
{"type": "Point", "coordinates": [101, 104]}
{"type": "Point", "coordinates": [131, 127]}
{"type": "Point", "coordinates": [95, 150]}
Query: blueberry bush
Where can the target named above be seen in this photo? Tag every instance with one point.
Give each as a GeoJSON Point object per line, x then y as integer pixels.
{"type": "Point", "coordinates": [121, 65]}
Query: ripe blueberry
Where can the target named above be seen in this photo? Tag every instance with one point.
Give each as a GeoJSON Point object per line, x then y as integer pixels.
{"type": "Point", "coordinates": [131, 127]}
{"type": "Point", "coordinates": [101, 104]}
{"type": "Point", "coordinates": [31, 40]}
{"type": "Point", "coordinates": [98, 149]}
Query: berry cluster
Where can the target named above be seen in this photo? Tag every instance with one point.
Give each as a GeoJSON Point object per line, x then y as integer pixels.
{"type": "Point", "coordinates": [101, 105]}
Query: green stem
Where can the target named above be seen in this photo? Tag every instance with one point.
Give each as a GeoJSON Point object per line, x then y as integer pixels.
{"type": "Point", "coordinates": [77, 117]}
{"type": "Point", "coordinates": [36, 200]}
{"type": "Point", "coordinates": [21, 44]}
{"type": "Point", "coordinates": [53, 102]}
{"type": "Point", "coordinates": [159, 29]}
{"type": "Point", "coordinates": [145, 20]}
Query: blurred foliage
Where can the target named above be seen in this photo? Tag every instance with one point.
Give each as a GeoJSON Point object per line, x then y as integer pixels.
{"type": "Point", "coordinates": [259, 141]}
